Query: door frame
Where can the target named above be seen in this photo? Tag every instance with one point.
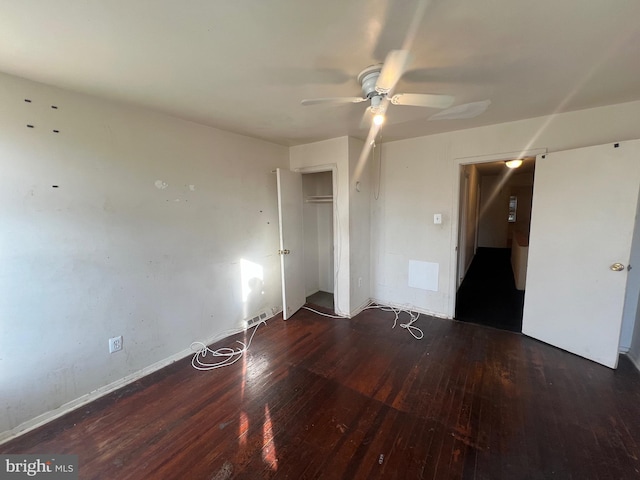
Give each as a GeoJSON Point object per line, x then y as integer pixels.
{"type": "Point", "coordinates": [462, 225]}
{"type": "Point", "coordinates": [458, 165]}
{"type": "Point", "coordinates": [340, 287]}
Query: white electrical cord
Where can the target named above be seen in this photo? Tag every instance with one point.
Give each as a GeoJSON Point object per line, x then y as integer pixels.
{"type": "Point", "coordinates": [229, 355]}
{"type": "Point", "coordinates": [323, 314]}
{"type": "Point", "coordinates": [416, 332]}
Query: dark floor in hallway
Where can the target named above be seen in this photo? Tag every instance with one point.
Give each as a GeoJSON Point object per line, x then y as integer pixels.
{"type": "Point", "coordinates": [488, 294]}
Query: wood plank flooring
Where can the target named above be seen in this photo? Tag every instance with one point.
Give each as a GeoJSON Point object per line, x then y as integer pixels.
{"type": "Point", "coordinates": [322, 398]}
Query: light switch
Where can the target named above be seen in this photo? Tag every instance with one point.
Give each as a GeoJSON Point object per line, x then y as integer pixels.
{"type": "Point", "coordinates": [437, 218]}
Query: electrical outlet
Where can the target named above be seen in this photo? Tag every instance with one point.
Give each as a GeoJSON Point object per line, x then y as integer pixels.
{"type": "Point", "coordinates": [115, 344]}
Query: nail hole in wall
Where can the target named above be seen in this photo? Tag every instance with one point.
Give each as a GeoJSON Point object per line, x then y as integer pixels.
{"type": "Point", "coordinates": [55, 186]}
{"type": "Point", "coordinates": [30, 126]}
{"type": "Point", "coordinates": [27, 100]}
{"type": "Point", "coordinates": [56, 131]}
{"type": "Point", "coordinates": [54, 107]}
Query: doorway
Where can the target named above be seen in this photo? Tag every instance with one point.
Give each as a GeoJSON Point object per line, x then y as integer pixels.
{"type": "Point", "coordinates": [493, 238]}
{"type": "Point", "coordinates": [318, 239]}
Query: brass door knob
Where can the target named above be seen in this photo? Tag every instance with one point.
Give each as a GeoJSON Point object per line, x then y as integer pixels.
{"type": "Point", "coordinates": [617, 267]}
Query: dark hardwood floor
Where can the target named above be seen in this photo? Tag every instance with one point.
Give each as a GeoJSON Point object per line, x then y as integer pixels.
{"type": "Point", "coordinates": [322, 398]}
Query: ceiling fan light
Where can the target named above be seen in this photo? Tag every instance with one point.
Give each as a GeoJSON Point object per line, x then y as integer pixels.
{"type": "Point", "coordinates": [378, 119]}
{"type": "Point", "coordinates": [513, 163]}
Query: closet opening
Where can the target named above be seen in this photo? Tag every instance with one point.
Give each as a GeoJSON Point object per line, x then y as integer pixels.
{"type": "Point", "coordinates": [318, 239]}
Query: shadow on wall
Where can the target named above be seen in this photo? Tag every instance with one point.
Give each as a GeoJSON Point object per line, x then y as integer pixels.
{"type": "Point", "coordinates": [253, 296]}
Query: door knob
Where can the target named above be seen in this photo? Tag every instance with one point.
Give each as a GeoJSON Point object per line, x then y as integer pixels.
{"type": "Point", "coordinates": [617, 267]}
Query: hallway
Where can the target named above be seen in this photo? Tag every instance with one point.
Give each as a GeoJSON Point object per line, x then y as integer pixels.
{"type": "Point", "coordinates": [488, 295]}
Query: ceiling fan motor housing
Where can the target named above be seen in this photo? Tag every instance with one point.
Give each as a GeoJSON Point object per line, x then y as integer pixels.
{"type": "Point", "coordinates": [376, 100]}
{"type": "Point", "coordinates": [368, 78]}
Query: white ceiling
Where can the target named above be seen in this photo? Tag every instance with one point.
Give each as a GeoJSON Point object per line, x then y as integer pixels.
{"type": "Point", "coordinates": [245, 65]}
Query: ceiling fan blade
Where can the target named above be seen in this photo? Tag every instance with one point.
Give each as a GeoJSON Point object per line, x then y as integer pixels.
{"type": "Point", "coordinates": [466, 110]}
{"type": "Point", "coordinates": [333, 100]}
{"type": "Point", "coordinates": [423, 100]}
{"type": "Point", "coordinates": [394, 67]}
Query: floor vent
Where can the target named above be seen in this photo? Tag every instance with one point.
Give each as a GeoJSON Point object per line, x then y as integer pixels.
{"type": "Point", "coordinates": [258, 318]}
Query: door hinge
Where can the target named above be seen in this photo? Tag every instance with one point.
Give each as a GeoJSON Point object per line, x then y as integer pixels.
{"type": "Point", "coordinates": [284, 252]}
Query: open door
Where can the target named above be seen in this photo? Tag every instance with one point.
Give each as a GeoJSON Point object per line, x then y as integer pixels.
{"type": "Point", "coordinates": [584, 208]}
{"type": "Point", "coordinates": [291, 254]}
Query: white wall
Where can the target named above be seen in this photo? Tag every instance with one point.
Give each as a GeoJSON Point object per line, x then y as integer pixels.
{"type": "Point", "coordinates": [325, 234]}
{"type": "Point", "coordinates": [494, 230]}
{"type": "Point", "coordinates": [148, 235]}
{"type": "Point", "coordinates": [494, 210]}
{"type": "Point", "coordinates": [634, 350]}
{"type": "Point", "coordinates": [318, 234]}
{"type": "Point", "coordinates": [630, 336]}
{"type": "Point", "coordinates": [310, 237]}
{"type": "Point", "coordinates": [470, 210]}
{"type": "Point", "coordinates": [360, 227]}
{"type": "Point", "coordinates": [420, 176]}
{"type": "Point", "coordinates": [524, 196]}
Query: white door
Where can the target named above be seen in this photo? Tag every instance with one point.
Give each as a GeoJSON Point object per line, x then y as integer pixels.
{"type": "Point", "coordinates": [582, 220]}
{"type": "Point", "coordinates": [291, 254]}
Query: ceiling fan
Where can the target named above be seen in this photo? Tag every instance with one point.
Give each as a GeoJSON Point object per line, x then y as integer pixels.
{"type": "Point", "coordinates": [378, 82]}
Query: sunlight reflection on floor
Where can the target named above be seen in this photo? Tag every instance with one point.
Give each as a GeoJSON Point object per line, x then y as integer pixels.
{"type": "Point", "coordinates": [268, 446]}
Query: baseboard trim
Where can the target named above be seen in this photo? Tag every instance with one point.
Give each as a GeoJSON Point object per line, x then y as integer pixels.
{"type": "Point", "coordinates": [359, 309]}
{"type": "Point", "coordinates": [634, 360]}
{"type": "Point", "coordinates": [102, 391]}
{"type": "Point", "coordinates": [413, 308]}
